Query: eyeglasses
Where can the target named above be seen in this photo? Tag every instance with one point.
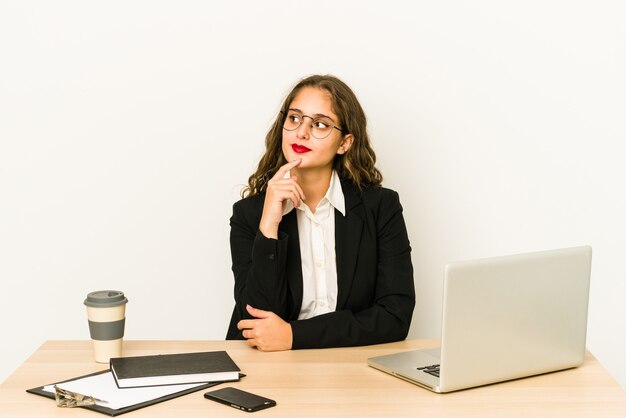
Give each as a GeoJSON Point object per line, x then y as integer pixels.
{"type": "Point", "coordinates": [321, 127]}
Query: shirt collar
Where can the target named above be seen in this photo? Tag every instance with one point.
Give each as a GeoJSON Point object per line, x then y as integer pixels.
{"type": "Point", "coordinates": [334, 195]}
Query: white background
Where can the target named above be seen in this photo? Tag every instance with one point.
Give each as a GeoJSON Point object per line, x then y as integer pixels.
{"type": "Point", "coordinates": [127, 129]}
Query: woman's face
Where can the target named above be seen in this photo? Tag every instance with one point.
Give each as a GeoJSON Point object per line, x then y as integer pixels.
{"type": "Point", "coordinates": [313, 105]}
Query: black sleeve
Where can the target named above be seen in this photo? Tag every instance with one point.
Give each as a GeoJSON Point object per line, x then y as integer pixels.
{"type": "Point", "coordinates": [258, 263]}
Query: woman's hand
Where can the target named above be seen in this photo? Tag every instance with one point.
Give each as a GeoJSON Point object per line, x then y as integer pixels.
{"type": "Point", "coordinates": [279, 190]}
{"type": "Point", "coordinates": [268, 332]}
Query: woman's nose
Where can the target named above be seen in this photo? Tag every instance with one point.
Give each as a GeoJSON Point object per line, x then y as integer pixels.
{"type": "Point", "coordinates": [304, 130]}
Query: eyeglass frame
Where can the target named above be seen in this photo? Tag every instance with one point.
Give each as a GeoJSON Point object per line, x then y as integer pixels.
{"type": "Point", "coordinates": [302, 115]}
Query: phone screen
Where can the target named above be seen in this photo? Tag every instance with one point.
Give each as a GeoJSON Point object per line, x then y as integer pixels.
{"type": "Point", "coordinates": [240, 399]}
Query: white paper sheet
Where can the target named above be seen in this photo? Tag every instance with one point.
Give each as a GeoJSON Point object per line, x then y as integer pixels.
{"type": "Point", "coordinates": [102, 386]}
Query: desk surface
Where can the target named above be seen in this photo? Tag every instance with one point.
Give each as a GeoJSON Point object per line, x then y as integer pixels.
{"type": "Point", "coordinates": [323, 383]}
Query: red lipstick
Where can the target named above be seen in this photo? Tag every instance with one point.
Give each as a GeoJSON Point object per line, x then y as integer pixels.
{"type": "Point", "coordinates": [300, 149]}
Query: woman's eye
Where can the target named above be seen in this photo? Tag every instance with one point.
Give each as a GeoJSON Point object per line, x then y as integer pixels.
{"type": "Point", "coordinates": [294, 118]}
{"type": "Point", "coordinates": [320, 124]}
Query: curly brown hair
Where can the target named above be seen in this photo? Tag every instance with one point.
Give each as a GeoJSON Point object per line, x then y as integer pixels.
{"type": "Point", "coordinates": [357, 164]}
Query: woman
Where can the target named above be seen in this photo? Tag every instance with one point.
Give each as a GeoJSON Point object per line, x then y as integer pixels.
{"type": "Point", "coordinates": [320, 251]}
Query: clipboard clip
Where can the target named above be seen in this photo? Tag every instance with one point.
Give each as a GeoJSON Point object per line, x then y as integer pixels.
{"type": "Point", "coordinates": [69, 399]}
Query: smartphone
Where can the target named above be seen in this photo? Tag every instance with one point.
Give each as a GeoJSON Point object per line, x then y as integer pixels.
{"type": "Point", "coordinates": [240, 399]}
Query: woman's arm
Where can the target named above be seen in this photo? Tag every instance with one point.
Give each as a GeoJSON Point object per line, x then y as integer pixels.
{"type": "Point", "coordinates": [258, 263]}
{"type": "Point", "coordinates": [258, 249]}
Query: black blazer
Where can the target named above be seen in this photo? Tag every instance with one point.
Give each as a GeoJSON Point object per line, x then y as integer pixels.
{"type": "Point", "coordinates": [376, 293]}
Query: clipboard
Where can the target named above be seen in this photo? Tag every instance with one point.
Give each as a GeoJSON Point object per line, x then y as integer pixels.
{"type": "Point", "coordinates": [119, 411]}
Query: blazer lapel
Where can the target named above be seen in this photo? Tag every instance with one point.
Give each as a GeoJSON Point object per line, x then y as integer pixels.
{"type": "Point", "coordinates": [347, 241]}
{"type": "Point", "coordinates": [289, 225]}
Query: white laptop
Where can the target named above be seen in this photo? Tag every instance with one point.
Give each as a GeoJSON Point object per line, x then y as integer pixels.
{"type": "Point", "coordinates": [504, 318]}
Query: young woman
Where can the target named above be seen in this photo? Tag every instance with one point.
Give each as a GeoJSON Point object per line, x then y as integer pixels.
{"type": "Point", "coordinates": [320, 250]}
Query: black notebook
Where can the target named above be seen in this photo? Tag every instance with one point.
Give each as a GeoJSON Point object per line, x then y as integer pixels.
{"type": "Point", "coordinates": [172, 369]}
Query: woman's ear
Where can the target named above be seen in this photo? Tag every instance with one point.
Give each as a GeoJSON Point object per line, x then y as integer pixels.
{"type": "Point", "coordinates": [346, 143]}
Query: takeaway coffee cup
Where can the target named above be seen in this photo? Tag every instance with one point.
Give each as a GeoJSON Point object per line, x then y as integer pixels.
{"type": "Point", "coordinates": [106, 312]}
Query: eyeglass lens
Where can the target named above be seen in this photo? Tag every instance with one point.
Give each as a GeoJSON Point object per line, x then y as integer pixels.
{"type": "Point", "coordinates": [320, 127]}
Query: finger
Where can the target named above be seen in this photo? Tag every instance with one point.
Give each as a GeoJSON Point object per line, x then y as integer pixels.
{"type": "Point", "coordinates": [248, 333]}
{"type": "Point", "coordinates": [293, 181]}
{"type": "Point", "coordinates": [251, 342]}
{"type": "Point", "coordinates": [287, 184]}
{"type": "Point", "coordinates": [246, 324]}
{"type": "Point", "coordinates": [291, 191]}
{"type": "Point", "coordinates": [299, 189]}
{"type": "Point", "coordinates": [281, 195]}
{"type": "Point", "coordinates": [282, 170]}
{"type": "Point", "coordinates": [258, 313]}
{"type": "Point", "coordinates": [295, 199]}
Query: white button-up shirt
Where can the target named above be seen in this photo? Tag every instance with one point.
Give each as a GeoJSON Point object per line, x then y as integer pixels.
{"type": "Point", "coordinates": [316, 232]}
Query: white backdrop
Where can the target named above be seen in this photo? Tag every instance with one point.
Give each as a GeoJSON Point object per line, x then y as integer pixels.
{"type": "Point", "coordinates": [127, 129]}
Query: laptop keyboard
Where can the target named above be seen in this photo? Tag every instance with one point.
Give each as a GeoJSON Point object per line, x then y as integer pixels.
{"type": "Point", "coordinates": [432, 370]}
